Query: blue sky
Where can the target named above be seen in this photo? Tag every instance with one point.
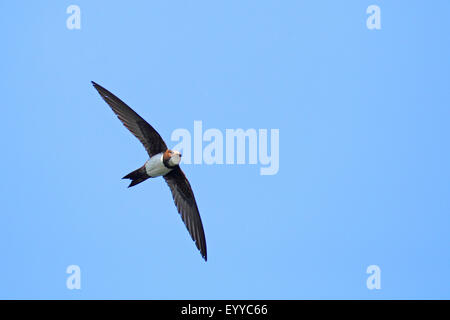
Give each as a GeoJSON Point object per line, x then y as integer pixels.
{"type": "Point", "coordinates": [364, 126]}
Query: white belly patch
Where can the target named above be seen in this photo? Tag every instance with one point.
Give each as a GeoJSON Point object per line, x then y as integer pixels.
{"type": "Point", "coordinates": [155, 166]}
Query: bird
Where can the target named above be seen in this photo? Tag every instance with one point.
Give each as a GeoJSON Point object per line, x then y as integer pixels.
{"type": "Point", "coordinates": [162, 162]}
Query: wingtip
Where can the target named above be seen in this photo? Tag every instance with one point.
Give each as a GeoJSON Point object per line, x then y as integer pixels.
{"type": "Point", "coordinates": [204, 255]}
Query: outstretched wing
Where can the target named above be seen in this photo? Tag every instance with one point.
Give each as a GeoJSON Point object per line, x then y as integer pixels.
{"type": "Point", "coordinates": [187, 207]}
{"type": "Point", "coordinates": [146, 134]}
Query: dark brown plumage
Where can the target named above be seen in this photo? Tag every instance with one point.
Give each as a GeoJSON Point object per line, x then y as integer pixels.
{"type": "Point", "coordinates": [180, 187]}
{"type": "Point", "coordinates": [141, 129]}
{"type": "Point", "coordinates": [187, 207]}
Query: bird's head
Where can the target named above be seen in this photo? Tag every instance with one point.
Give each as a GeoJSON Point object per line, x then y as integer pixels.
{"type": "Point", "coordinates": [174, 157]}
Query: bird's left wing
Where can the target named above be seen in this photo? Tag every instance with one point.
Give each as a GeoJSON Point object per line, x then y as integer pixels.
{"type": "Point", "coordinates": [141, 129]}
{"type": "Point", "coordinates": [187, 207]}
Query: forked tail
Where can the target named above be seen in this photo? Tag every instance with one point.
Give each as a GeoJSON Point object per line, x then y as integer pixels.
{"type": "Point", "coordinates": [137, 176]}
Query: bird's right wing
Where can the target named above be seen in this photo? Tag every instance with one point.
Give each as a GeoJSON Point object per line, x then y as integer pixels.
{"type": "Point", "coordinates": [141, 129]}
{"type": "Point", "coordinates": [187, 207]}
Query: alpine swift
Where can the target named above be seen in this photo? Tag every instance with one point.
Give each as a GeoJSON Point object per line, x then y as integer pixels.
{"type": "Point", "coordinates": [162, 162]}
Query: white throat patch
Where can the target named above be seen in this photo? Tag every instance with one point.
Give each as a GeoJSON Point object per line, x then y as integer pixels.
{"type": "Point", "coordinates": [175, 159]}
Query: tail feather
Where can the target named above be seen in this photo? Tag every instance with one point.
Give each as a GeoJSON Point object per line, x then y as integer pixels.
{"type": "Point", "coordinates": [137, 176]}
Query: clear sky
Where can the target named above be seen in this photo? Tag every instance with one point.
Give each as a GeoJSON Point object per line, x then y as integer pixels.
{"type": "Point", "coordinates": [364, 127]}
